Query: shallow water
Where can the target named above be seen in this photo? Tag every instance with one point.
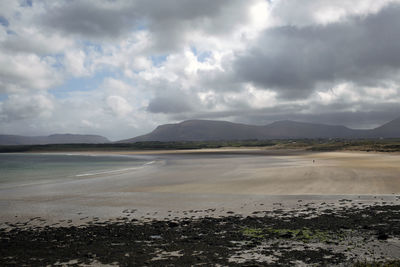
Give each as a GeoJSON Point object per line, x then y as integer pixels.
{"type": "Point", "coordinates": [33, 168]}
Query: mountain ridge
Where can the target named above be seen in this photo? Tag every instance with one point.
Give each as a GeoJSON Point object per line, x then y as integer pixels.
{"type": "Point", "coordinates": [211, 130]}
{"type": "Point", "coordinates": [52, 139]}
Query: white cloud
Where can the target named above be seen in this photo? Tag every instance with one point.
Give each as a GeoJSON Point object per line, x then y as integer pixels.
{"type": "Point", "coordinates": [75, 63]}
{"type": "Point", "coordinates": [23, 106]}
{"type": "Point", "coordinates": [32, 40]}
{"type": "Point", "coordinates": [114, 86]}
{"type": "Point", "coordinates": [22, 72]}
{"type": "Point", "coordinates": [303, 13]}
{"type": "Point", "coordinates": [118, 105]}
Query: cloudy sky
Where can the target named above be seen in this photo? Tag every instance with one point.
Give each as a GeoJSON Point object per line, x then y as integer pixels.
{"type": "Point", "coordinates": [120, 68]}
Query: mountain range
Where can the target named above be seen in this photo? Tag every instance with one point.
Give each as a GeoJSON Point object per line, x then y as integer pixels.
{"type": "Point", "coordinates": [52, 139]}
{"type": "Point", "coordinates": [208, 130]}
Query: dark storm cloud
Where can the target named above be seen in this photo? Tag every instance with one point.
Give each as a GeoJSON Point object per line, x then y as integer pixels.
{"type": "Point", "coordinates": [167, 20]}
{"type": "Point", "coordinates": [26, 3]}
{"type": "Point", "coordinates": [170, 20]}
{"type": "Point", "coordinates": [4, 22]}
{"type": "Point", "coordinates": [295, 60]}
{"type": "Point", "coordinates": [244, 114]}
{"type": "Point", "coordinates": [168, 104]}
{"type": "Point", "coordinates": [86, 19]}
{"type": "Point", "coordinates": [368, 117]}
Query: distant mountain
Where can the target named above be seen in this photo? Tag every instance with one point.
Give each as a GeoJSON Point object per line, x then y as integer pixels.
{"type": "Point", "coordinates": [293, 129]}
{"type": "Point", "coordinates": [389, 130]}
{"type": "Point", "coordinates": [207, 130]}
{"type": "Point", "coordinates": [195, 130]}
{"type": "Point", "coordinates": [52, 139]}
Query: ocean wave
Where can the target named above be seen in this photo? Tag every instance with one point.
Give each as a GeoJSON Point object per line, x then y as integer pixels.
{"type": "Point", "coordinates": [115, 171]}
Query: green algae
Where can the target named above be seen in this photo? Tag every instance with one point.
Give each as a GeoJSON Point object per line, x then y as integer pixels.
{"type": "Point", "coordinates": [304, 234]}
{"type": "Point", "coordinates": [253, 232]}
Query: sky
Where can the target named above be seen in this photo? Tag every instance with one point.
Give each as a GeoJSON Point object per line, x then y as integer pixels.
{"type": "Point", "coordinates": [121, 68]}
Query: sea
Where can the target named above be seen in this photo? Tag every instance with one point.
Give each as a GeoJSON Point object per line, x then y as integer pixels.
{"type": "Point", "coordinates": [31, 168]}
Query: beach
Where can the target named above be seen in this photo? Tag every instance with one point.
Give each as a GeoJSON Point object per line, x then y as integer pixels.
{"type": "Point", "coordinates": [185, 180]}
{"type": "Point", "coordinates": [194, 185]}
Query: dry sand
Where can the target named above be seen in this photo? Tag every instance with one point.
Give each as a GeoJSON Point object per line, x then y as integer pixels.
{"type": "Point", "coordinates": [329, 173]}
{"type": "Point", "coordinates": [240, 180]}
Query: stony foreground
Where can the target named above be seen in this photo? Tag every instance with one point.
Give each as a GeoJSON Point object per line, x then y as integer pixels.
{"type": "Point", "coordinates": [343, 236]}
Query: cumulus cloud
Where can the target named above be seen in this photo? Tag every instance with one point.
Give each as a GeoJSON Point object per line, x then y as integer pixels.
{"type": "Point", "coordinates": [20, 107]}
{"type": "Point", "coordinates": [74, 62]}
{"type": "Point", "coordinates": [26, 71]}
{"type": "Point", "coordinates": [31, 40]}
{"type": "Point", "coordinates": [95, 66]}
{"type": "Point", "coordinates": [304, 13]}
{"type": "Point", "coordinates": [118, 105]}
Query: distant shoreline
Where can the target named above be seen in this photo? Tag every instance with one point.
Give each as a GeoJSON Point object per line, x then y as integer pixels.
{"type": "Point", "coordinates": [368, 145]}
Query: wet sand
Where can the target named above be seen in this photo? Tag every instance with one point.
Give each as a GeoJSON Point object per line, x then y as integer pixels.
{"type": "Point", "coordinates": [228, 179]}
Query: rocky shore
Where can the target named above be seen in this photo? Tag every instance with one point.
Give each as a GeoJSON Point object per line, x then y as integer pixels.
{"type": "Point", "coordinates": [339, 236]}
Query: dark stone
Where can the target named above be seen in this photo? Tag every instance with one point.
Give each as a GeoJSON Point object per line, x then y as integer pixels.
{"type": "Point", "coordinates": [382, 236]}
{"type": "Point", "coordinates": [173, 224]}
{"type": "Point", "coordinates": [286, 235]}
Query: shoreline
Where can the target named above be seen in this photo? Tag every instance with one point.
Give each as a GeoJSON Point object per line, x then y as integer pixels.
{"type": "Point", "coordinates": [232, 207]}
{"type": "Point", "coordinates": [200, 181]}
{"type": "Point", "coordinates": [201, 206]}
{"type": "Point", "coordinates": [217, 151]}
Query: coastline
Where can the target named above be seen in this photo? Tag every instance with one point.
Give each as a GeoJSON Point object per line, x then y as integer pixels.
{"type": "Point", "coordinates": [208, 179]}
{"type": "Point", "coordinates": [247, 193]}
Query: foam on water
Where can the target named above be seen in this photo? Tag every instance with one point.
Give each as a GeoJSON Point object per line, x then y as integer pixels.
{"type": "Point", "coordinates": [114, 171]}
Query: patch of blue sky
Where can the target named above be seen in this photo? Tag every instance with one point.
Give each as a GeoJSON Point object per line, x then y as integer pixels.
{"type": "Point", "coordinates": [92, 46]}
{"type": "Point", "coordinates": [57, 60]}
{"type": "Point", "coordinates": [194, 50]}
{"type": "Point", "coordinates": [158, 60]}
{"type": "Point", "coordinates": [201, 56]}
{"type": "Point", "coordinates": [3, 97]}
{"type": "Point", "coordinates": [82, 84]}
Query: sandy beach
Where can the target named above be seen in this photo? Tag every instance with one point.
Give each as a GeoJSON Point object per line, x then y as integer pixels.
{"type": "Point", "coordinates": [223, 179]}
{"type": "Point", "coordinates": [225, 206]}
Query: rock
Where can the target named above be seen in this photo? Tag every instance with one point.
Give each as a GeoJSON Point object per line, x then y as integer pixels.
{"type": "Point", "coordinates": [286, 235]}
{"type": "Point", "coordinates": [173, 224]}
{"type": "Point", "coordinates": [382, 235]}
